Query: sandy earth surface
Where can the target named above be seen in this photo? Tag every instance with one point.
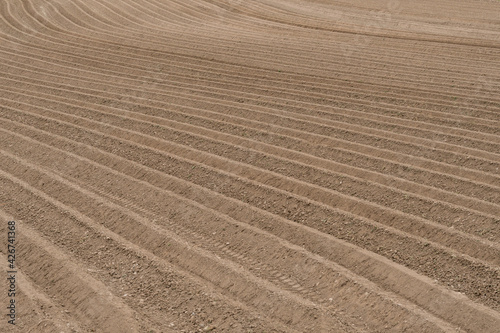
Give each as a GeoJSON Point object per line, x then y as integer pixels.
{"type": "Point", "coordinates": [251, 166]}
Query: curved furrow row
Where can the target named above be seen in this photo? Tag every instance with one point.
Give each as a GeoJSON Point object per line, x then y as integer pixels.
{"type": "Point", "coordinates": [309, 211]}
{"type": "Point", "coordinates": [267, 11]}
{"type": "Point", "coordinates": [39, 312]}
{"type": "Point", "coordinates": [224, 144]}
{"type": "Point", "coordinates": [122, 222]}
{"type": "Point", "coordinates": [323, 178]}
{"type": "Point", "coordinates": [222, 15]}
{"type": "Point", "coordinates": [463, 80]}
{"type": "Point", "coordinates": [88, 300]}
{"type": "Point", "coordinates": [326, 290]}
{"type": "Point", "coordinates": [148, 22]}
{"type": "Point", "coordinates": [212, 51]}
{"type": "Point", "coordinates": [468, 102]}
{"type": "Point", "coordinates": [378, 213]}
{"type": "Point", "coordinates": [99, 235]}
{"type": "Point", "coordinates": [459, 137]}
{"type": "Point", "coordinates": [280, 12]}
{"type": "Point", "coordinates": [387, 140]}
{"type": "Point", "coordinates": [321, 99]}
{"type": "Point", "coordinates": [71, 166]}
{"type": "Point", "coordinates": [312, 128]}
{"type": "Point", "coordinates": [155, 72]}
{"type": "Point", "coordinates": [264, 166]}
{"type": "Point", "coordinates": [249, 126]}
{"type": "Point", "coordinates": [178, 247]}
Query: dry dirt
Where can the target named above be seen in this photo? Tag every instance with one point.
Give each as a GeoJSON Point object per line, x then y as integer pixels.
{"type": "Point", "coordinates": [251, 166]}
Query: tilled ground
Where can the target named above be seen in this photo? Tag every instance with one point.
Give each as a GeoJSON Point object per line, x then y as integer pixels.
{"type": "Point", "coordinates": [251, 166]}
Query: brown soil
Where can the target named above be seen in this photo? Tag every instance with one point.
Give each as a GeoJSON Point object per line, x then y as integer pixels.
{"type": "Point", "coordinates": [251, 166]}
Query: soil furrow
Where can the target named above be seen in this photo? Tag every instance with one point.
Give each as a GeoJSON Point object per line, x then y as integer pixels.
{"type": "Point", "coordinates": [90, 173]}
{"type": "Point", "coordinates": [318, 217]}
{"type": "Point", "coordinates": [265, 166]}
{"type": "Point", "coordinates": [400, 201]}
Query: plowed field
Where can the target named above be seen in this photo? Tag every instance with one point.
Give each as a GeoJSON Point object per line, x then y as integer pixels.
{"type": "Point", "coordinates": [250, 166]}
